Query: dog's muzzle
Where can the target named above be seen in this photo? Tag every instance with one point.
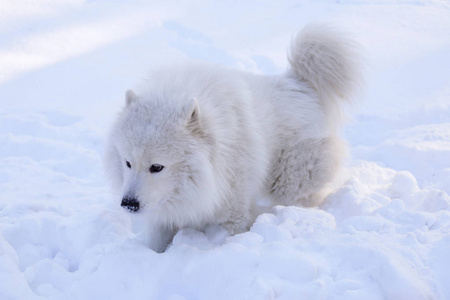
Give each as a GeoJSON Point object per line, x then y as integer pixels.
{"type": "Point", "coordinates": [131, 203]}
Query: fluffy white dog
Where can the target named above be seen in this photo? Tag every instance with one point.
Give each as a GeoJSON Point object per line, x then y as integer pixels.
{"type": "Point", "coordinates": [197, 143]}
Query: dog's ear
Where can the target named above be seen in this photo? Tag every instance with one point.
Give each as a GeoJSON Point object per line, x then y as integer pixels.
{"type": "Point", "coordinates": [130, 97]}
{"type": "Point", "coordinates": [195, 111]}
{"type": "Point", "coordinates": [194, 116]}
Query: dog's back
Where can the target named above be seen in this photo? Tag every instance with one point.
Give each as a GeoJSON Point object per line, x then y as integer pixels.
{"type": "Point", "coordinates": [301, 113]}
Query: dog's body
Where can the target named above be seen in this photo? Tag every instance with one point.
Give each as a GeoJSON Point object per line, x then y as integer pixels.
{"type": "Point", "coordinates": [198, 143]}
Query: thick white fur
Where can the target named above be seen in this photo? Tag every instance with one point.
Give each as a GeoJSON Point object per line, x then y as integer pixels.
{"type": "Point", "coordinates": [328, 59]}
{"type": "Point", "coordinates": [225, 136]}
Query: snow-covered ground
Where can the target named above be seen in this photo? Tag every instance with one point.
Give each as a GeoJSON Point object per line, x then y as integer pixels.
{"type": "Point", "coordinates": [384, 233]}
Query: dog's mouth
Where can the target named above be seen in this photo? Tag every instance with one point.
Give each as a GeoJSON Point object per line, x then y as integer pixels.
{"type": "Point", "coordinates": [132, 209]}
{"type": "Point", "coordinates": [137, 207]}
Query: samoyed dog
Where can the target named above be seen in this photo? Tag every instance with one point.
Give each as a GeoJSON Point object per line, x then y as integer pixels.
{"type": "Point", "coordinates": [197, 143]}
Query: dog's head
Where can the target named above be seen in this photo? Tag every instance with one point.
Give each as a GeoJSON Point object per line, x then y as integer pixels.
{"type": "Point", "coordinates": [159, 156]}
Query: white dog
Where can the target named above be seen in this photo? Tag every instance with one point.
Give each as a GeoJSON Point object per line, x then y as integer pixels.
{"type": "Point", "coordinates": [197, 143]}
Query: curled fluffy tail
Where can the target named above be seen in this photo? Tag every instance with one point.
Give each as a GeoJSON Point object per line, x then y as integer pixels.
{"type": "Point", "coordinates": [328, 60]}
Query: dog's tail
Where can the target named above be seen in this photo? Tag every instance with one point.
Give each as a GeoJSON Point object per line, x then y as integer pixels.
{"type": "Point", "coordinates": [328, 60]}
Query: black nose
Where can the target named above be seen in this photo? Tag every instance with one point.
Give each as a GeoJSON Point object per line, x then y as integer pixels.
{"type": "Point", "coordinates": [131, 203]}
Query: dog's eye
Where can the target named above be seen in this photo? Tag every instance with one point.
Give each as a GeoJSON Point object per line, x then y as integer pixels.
{"type": "Point", "coordinates": [156, 168]}
{"type": "Point", "coordinates": [128, 164]}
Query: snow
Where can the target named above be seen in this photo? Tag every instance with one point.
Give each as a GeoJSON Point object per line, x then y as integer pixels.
{"type": "Point", "coordinates": [383, 233]}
